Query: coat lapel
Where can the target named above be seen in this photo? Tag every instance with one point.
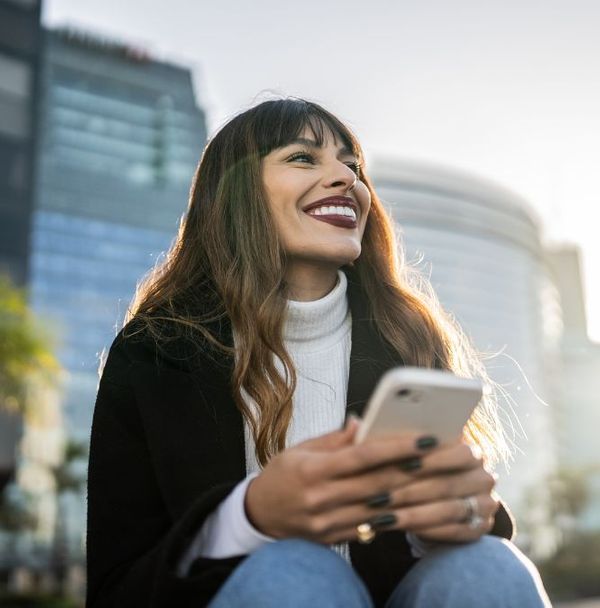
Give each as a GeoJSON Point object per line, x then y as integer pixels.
{"type": "Point", "coordinates": [194, 430]}
{"type": "Point", "coordinates": [370, 356]}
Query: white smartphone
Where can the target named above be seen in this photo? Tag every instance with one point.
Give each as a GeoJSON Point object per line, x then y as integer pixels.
{"type": "Point", "coordinates": [426, 401]}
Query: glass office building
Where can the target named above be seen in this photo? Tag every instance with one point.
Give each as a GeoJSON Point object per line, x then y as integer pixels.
{"type": "Point", "coordinates": [120, 136]}
{"type": "Point", "coordinates": [19, 60]}
{"type": "Point", "coordinates": [20, 37]}
{"type": "Point", "coordinates": [481, 248]}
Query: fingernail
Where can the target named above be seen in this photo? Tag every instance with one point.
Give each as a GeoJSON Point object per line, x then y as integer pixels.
{"type": "Point", "coordinates": [410, 464]}
{"type": "Point", "coordinates": [352, 421]}
{"type": "Point", "coordinates": [382, 521]}
{"type": "Point", "coordinates": [426, 443]}
{"type": "Point", "coordinates": [379, 500]}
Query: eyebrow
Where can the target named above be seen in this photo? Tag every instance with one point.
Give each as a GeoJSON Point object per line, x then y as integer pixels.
{"type": "Point", "coordinates": [310, 143]}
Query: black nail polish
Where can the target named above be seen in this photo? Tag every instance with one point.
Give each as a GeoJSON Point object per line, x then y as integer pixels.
{"type": "Point", "coordinates": [426, 443]}
{"type": "Point", "coordinates": [379, 500]}
{"type": "Point", "coordinates": [381, 521]}
{"type": "Point", "coordinates": [410, 464]}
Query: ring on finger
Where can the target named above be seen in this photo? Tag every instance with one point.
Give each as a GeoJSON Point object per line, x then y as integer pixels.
{"type": "Point", "coordinates": [472, 517]}
{"type": "Point", "coordinates": [365, 533]}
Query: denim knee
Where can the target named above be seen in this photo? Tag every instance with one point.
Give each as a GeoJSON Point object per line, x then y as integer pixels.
{"type": "Point", "coordinates": [488, 572]}
{"type": "Point", "coordinates": [293, 572]}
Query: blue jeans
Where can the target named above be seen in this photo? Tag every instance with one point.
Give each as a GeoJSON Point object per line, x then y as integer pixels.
{"type": "Point", "coordinates": [296, 573]}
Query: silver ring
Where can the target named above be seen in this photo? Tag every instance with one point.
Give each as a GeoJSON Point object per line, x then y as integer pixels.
{"type": "Point", "coordinates": [475, 522]}
{"type": "Point", "coordinates": [472, 517]}
{"type": "Point", "coordinates": [471, 508]}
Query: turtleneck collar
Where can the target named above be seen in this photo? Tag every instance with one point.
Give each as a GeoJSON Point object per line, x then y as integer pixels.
{"type": "Point", "coordinates": [316, 324]}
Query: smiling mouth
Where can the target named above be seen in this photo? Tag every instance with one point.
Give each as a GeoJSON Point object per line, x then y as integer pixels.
{"type": "Point", "coordinates": [343, 216]}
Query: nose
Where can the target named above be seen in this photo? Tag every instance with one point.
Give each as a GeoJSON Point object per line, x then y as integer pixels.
{"type": "Point", "coordinates": [341, 175]}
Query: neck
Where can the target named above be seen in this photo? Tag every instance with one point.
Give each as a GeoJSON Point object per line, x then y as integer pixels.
{"type": "Point", "coordinates": [308, 282]}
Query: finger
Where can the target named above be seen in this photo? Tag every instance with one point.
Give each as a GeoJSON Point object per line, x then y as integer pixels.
{"type": "Point", "coordinates": [359, 488]}
{"type": "Point", "coordinates": [439, 487]}
{"type": "Point", "coordinates": [358, 458]}
{"type": "Point", "coordinates": [335, 439]}
{"type": "Point", "coordinates": [457, 457]}
{"type": "Point", "coordinates": [456, 532]}
{"type": "Point", "coordinates": [434, 514]}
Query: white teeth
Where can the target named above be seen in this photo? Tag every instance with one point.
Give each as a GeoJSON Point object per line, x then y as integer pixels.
{"type": "Point", "coordinates": [334, 210]}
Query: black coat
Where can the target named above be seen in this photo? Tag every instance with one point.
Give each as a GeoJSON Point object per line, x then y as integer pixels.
{"type": "Point", "coordinates": [167, 446]}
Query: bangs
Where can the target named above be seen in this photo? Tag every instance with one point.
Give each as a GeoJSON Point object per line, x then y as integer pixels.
{"type": "Point", "coordinates": [282, 121]}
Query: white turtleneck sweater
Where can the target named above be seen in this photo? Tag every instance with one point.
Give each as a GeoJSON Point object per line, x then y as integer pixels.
{"type": "Point", "coordinates": [317, 335]}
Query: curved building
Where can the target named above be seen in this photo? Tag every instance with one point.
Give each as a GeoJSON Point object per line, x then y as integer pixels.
{"type": "Point", "coordinates": [480, 245]}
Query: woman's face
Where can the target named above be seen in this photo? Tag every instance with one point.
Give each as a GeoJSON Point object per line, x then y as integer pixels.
{"type": "Point", "coordinates": [319, 205]}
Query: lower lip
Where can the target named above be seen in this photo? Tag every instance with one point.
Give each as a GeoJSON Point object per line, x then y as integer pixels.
{"type": "Point", "coordinates": [342, 221]}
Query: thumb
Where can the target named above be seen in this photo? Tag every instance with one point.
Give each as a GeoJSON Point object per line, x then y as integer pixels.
{"type": "Point", "coordinates": [336, 439]}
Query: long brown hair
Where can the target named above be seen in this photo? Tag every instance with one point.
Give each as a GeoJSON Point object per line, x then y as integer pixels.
{"type": "Point", "coordinates": [227, 261]}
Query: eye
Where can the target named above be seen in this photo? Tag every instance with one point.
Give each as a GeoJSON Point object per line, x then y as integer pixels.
{"type": "Point", "coordinates": [355, 166]}
{"type": "Point", "coordinates": [301, 156]}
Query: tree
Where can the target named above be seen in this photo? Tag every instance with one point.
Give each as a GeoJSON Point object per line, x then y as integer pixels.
{"type": "Point", "coordinates": [66, 480]}
{"type": "Point", "coordinates": [26, 358]}
{"type": "Point", "coordinates": [25, 349]}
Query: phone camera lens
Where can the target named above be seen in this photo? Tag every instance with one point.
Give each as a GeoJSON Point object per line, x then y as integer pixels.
{"type": "Point", "coordinates": [404, 392]}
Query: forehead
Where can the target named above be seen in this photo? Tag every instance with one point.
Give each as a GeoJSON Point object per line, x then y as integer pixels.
{"type": "Point", "coordinates": [317, 133]}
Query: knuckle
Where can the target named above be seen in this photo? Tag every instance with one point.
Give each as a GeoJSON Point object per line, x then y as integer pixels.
{"type": "Point", "coordinates": [361, 453]}
{"type": "Point", "coordinates": [311, 500]}
{"type": "Point", "coordinates": [306, 470]}
{"type": "Point", "coordinates": [318, 526]}
{"type": "Point", "coordinates": [490, 481]}
{"type": "Point", "coordinates": [447, 488]}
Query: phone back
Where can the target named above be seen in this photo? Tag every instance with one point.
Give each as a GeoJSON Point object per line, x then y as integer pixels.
{"type": "Point", "coordinates": [431, 402]}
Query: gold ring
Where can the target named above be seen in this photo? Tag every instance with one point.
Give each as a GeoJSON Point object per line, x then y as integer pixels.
{"type": "Point", "coordinates": [365, 533]}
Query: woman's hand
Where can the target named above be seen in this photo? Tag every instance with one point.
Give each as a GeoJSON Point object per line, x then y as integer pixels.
{"type": "Point", "coordinates": [321, 489]}
{"type": "Point", "coordinates": [433, 506]}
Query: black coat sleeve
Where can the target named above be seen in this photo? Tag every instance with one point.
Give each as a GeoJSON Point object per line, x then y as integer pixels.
{"type": "Point", "coordinates": [133, 544]}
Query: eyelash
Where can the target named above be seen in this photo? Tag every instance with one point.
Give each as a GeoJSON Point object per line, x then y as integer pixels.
{"type": "Point", "coordinates": [354, 166]}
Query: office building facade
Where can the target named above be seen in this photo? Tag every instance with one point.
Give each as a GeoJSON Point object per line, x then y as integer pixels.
{"type": "Point", "coordinates": [120, 136]}
{"type": "Point", "coordinates": [578, 414]}
{"type": "Point", "coordinates": [20, 40]}
{"type": "Point", "coordinates": [481, 248]}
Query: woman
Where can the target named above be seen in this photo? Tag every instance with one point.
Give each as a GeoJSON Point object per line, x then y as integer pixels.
{"type": "Point", "coordinates": [221, 470]}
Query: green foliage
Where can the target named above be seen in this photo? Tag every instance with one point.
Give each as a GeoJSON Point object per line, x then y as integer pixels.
{"type": "Point", "coordinates": [569, 492]}
{"type": "Point", "coordinates": [25, 348]}
{"type": "Point", "coordinates": [572, 572]}
{"type": "Point", "coordinates": [29, 600]}
{"type": "Point", "coordinates": [65, 478]}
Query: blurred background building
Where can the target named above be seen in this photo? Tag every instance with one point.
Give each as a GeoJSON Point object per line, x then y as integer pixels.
{"type": "Point", "coordinates": [481, 247]}
{"type": "Point", "coordinates": [578, 411]}
{"type": "Point", "coordinates": [116, 136]}
{"type": "Point", "coordinates": [20, 45]}
{"type": "Point", "coordinates": [120, 136]}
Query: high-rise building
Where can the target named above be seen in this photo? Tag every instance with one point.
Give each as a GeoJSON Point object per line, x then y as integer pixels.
{"type": "Point", "coordinates": [578, 413]}
{"type": "Point", "coordinates": [120, 136]}
{"type": "Point", "coordinates": [481, 247]}
{"type": "Point", "coordinates": [20, 40]}
{"type": "Point", "coordinates": [19, 60]}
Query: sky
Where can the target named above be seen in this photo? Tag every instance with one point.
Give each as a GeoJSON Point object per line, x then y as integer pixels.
{"type": "Point", "coordinates": [505, 90]}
